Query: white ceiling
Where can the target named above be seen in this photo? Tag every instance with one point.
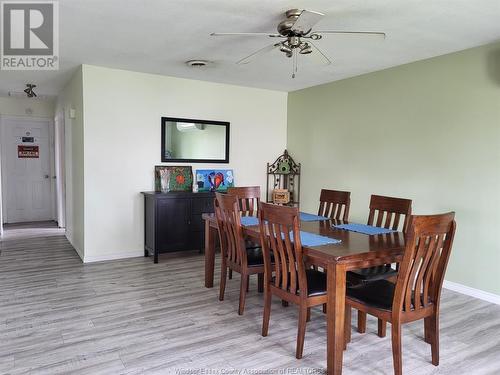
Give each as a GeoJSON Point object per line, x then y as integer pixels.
{"type": "Point", "coordinates": [158, 36]}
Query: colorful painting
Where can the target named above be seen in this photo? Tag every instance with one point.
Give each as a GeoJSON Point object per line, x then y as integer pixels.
{"type": "Point", "coordinates": [214, 179]}
{"type": "Point", "coordinates": [169, 178]}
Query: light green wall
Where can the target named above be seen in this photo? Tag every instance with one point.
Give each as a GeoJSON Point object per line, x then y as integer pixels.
{"type": "Point", "coordinates": [429, 131]}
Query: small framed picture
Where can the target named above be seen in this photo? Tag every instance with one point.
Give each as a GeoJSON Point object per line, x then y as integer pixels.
{"type": "Point", "coordinates": [170, 178]}
{"type": "Point", "coordinates": [214, 179]}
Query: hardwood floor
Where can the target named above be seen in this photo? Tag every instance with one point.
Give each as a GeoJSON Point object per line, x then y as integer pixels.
{"type": "Point", "coordinates": [58, 316]}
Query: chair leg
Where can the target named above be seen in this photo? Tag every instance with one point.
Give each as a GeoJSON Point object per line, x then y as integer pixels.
{"type": "Point", "coordinates": [301, 331]}
{"type": "Point", "coordinates": [361, 321]}
{"type": "Point", "coordinates": [433, 332]}
{"type": "Point", "coordinates": [260, 282]}
{"type": "Point", "coordinates": [284, 303]}
{"type": "Point", "coordinates": [347, 333]}
{"type": "Point", "coordinates": [324, 308]}
{"type": "Point", "coordinates": [267, 311]}
{"type": "Point", "coordinates": [427, 330]}
{"type": "Point", "coordinates": [230, 274]}
{"type": "Point", "coordinates": [248, 283]}
{"type": "Point", "coordinates": [223, 276]}
{"type": "Point", "coordinates": [308, 314]}
{"type": "Point", "coordinates": [243, 293]}
{"type": "Point", "coordinates": [382, 328]}
{"type": "Point", "coordinates": [396, 348]}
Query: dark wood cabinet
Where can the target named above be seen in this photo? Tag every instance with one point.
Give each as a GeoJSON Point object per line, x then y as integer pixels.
{"type": "Point", "coordinates": [173, 221]}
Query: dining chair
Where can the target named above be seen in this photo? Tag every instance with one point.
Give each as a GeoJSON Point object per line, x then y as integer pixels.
{"type": "Point", "coordinates": [334, 204]}
{"type": "Point", "coordinates": [390, 213]}
{"type": "Point", "coordinates": [235, 255]}
{"type": "Point", "coordinates": [248, 200]}
{"type": "Point", "coordinates": [248, 197]}
{"type": "Point", "coordinates": [292, 281]}
{"type": "Point", "coordinates": [416, 293]}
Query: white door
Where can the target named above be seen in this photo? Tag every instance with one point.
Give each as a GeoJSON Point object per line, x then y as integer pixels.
{"type": "Point", "coordinates": [26, 170]}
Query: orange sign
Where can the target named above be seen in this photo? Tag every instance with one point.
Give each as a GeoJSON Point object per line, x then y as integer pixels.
{"type": "Point", "coordinates": [31, 152]}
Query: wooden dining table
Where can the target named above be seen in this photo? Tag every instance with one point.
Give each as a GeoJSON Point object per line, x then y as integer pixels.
{"type": "Point", "coordinates": [356, 250]}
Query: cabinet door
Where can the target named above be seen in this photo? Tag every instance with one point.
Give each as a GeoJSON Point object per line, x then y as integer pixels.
{"type": "Point", "coordinates": [199, 207]}
{"type": "Point", "coordinates": [172, 226]}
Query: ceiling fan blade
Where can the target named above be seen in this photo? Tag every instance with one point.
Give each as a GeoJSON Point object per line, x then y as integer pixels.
{"type": "Point", "coordinates": [375, 33]}
{"type": "Point", "coordinates": [306, 21]}
{"type": "Point", "coordinates": [259, 52]}
{"type": "Point", "coordinates": [317, 53]}
{"type": "Point", "coordinates": [248, 34]}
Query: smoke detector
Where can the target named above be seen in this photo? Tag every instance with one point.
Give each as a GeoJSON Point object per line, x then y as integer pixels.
{"type": "Point", "coordinates": [197, 63]}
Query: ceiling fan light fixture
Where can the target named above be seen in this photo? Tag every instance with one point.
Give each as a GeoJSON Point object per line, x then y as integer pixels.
{"type": "Point", "coordinates": [284, 48]}
{"type": "Point", "coordinates": [305, 49]}
{"type": "Point", "coordinates": [29, 90]}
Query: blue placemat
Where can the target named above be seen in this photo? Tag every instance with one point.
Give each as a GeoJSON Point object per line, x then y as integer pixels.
{"type": "Point", "coordinates": [249, 220]}
{"type": "Point", "coordinates": [310, 217]}
{"type": "Point", "coordinates": [313, 239]}
{"type": "Point", "coordinates": [365, 229]}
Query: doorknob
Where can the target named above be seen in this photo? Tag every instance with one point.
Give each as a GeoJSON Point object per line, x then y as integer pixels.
{"type": "Point", "coordinates": [46, 176]}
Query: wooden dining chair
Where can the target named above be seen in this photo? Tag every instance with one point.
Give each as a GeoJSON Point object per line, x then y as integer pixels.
{"type": "Point", "coordinates": [235, 255]}
{"type": "Point", "coordinates": [390, 213]}
{"type": "Point", "coordinates": [292, 282]}
{"type": "Point", "coordinates": [334, 204]}
{"type": "Point", "coordinates": [416, 293]}
{"type": "Point", "coordinates": [248, 198]}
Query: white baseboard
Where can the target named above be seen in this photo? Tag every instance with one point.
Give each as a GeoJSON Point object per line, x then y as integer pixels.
{"type": "Point", "coordinates": [116, 256]}
{"type": "Point", "coordinates": [473, 292]}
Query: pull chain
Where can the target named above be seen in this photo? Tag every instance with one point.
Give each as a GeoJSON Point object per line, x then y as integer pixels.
{"type": "Point", "coordinates": [294, 63]}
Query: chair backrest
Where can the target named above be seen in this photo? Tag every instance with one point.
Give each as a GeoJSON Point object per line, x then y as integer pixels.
{"type": "Point", "coordinates": [421, 272]}
{"type": "Point", "coordinates": [248, 197]}
{"type": "Point", "coordinates": [279, 232]}
{"type": "Point", "coordinates": [230, 231]}
{"type": "Point", "coordinates": [386, 212]}
{"type": "Point", "coordinates": [334, 204]}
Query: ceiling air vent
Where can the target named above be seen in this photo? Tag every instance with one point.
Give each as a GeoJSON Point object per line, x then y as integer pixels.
{"type": "Point", "coordinates": [197, 63]}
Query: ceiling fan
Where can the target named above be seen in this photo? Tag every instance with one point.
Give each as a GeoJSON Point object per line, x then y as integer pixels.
{"type": "Point", "coordinates": [29, 90]}
{"type": "Point", "coordinates": [297, 37]}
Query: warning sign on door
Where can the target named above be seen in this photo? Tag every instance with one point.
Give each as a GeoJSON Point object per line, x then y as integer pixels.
{"type": "Point", "coordinates": [27, 152]}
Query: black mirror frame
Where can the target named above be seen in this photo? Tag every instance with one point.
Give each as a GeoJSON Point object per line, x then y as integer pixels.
{"type": "Point", "coordinates": [164, 120]}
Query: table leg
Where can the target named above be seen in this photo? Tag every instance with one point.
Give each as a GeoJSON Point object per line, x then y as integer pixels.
{"type": "Point", "coordinates": [335, 316]}
{"type": "Point", "coordinates": [210, 235]}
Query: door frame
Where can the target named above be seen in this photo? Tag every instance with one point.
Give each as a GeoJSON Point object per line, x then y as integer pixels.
{"type": "Point", "coordinates": [60, 168]}
{"type": "Point", "coordinates": [53, 191]}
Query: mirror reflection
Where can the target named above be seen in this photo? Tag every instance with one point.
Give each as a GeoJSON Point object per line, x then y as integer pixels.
{"type": "Point", "coordinates": [194, 140]}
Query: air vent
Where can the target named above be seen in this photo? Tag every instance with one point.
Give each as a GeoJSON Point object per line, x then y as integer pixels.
{"type": "Point", "coordinates": [197, 63]}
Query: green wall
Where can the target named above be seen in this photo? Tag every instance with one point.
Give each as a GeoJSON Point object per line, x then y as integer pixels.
{"type": "Point", "coordinates": [429, 131]}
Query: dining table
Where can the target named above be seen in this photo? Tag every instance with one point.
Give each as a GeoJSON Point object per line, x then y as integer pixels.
{"type": "Point", "coordinates": [354, 251]}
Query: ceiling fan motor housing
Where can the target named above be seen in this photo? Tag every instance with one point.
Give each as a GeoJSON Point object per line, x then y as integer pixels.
{"type": "Point", "coordinates": [285, 26]}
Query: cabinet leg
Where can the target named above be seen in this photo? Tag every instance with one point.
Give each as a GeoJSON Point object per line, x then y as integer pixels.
{"type": "Point", "coordinates": [146, 253]}
{"type": "Point", "coordinates": [156, 257]}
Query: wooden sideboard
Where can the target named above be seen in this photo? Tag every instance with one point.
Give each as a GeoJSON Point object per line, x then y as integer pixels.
{"type": "Point", "coordinates": [172, 221]}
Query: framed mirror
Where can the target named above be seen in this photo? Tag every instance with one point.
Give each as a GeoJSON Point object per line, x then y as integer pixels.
{"type": "Point", "coordinates": [194, 141]}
